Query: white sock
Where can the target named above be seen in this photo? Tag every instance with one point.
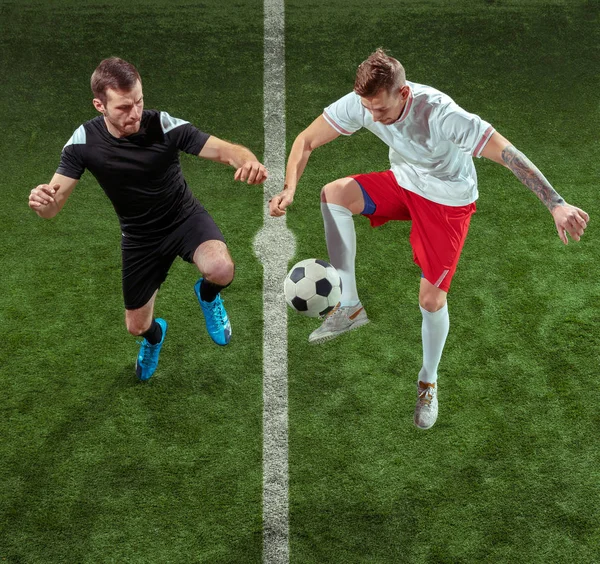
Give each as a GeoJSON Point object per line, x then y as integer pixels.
{"type": "Point", "coordinates": [341, 246]}
{"type": "Point", "coordinates": [434, 332]}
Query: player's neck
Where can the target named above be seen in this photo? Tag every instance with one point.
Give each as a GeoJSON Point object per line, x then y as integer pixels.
{"type": "Point", "coordinates": [402, 108]}
{"type": "Point", "coordinates": [112, 130]}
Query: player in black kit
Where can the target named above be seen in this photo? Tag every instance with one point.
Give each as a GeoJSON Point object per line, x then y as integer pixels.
{"type": "Point", "coordinates": [133, 154]}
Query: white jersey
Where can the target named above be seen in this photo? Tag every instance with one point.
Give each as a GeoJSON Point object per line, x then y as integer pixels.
{"type": "Point", "coordinates": [432, 144]}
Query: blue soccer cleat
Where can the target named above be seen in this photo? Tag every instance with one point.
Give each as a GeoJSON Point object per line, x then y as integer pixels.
{"type": "Point", "coordinates": [217, 322]}
{"type": "Point", "coordinates": [147, 359]}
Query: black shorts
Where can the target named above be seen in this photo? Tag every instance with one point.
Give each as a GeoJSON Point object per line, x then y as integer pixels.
{"type": "Point", "coordinates": [145, 266]}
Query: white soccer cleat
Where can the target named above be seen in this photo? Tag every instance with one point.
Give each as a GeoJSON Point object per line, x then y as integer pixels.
{"type": "Point", "coordinates": [338, 321]}
{"type": "Point", "coordinates": [426, 410]}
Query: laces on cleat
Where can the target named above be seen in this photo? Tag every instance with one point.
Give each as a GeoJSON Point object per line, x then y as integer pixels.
{"type": "Point", "coordinates": [425, 393]}
{"type": "Point", "coordinates": [218, 311]}
{"type": "Point", "coordinates": [336, 309]}
{"type": "Point", "coordinates": [217, 320]}
{"type": "Point", "coordinates": [426, 396]}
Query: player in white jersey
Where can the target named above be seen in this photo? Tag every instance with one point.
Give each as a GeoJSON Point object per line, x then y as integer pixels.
{"type": "Point", "coordinates": [431, 182]}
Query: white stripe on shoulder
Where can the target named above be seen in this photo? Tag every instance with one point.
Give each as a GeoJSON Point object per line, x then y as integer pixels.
{"type": "Point", "coordinates": [78, 138]}
{"type": "Point", "coordinates": [168, 123]}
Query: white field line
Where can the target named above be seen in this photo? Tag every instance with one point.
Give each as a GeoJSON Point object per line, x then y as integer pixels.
{"type": "Point", "coordinates": [274, 245]}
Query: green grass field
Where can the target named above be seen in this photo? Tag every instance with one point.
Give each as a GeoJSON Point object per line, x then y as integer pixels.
{"type": "Point", "coordinates": [96, 467]}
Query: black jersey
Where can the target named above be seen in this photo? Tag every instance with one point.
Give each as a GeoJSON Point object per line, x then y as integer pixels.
{"type": "Point", "coordinates": [140, 173]}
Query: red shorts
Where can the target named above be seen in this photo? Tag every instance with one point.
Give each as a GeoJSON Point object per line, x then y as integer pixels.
{"type": "Point", "coordinates": [438, 232]}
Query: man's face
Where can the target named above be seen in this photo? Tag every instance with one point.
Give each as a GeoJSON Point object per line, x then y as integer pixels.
{"type": "Point", "coordinates": [123, 110]}
{"type": "Point", "coordinates": [385, 106]}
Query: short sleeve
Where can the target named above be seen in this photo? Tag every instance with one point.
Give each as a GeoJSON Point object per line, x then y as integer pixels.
{"type": "Point", "coordinates": [464, 129]}
{"type": "Point", "coordinates": [71, 159]}
{"type": "Point", "coordinates": [346, 115]}
{"type": "Point", "coordinates": [183, 134]}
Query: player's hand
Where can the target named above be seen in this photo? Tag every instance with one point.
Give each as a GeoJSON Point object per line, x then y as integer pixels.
{"type": "Point", "coordinates": [42, 196]}
{"type": "Point", "coordinates": [251, 172]}
{"type": "Point", "coordinates": [277, 204]}
{"type": "Point", "coordinates": [571, 220]}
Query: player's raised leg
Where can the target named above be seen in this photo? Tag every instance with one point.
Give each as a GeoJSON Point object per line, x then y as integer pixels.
{"type": "Point", "coordinates": [339, 201]}
{"type": "Point", "coordinates": [214, 262]}
{"type": "Point", "coordinates": [140, 322]}
{"type": "Point", "coordinates": [434, 330]}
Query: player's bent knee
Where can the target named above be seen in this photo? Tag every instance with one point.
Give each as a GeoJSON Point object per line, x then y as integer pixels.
{"type": "Point", "coordinates": [344, 192]}
{"type": "Point", "coordinates": [432, 302]}
{"type": "Point", "coordinates": [220, 272]}
{"type": "Point", "coordinates": [331, 193]}
{"type": "Point", "coordinates": [326, 193]}
{"type": "Point", "coordinates": [136, 328]}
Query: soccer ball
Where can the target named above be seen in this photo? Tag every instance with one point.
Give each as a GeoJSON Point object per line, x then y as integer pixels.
{"type": "Point", "coordinates": [312, 287]}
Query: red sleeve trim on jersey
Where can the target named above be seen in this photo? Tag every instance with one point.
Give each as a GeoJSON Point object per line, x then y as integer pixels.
{"type": "Point", "coordinates": [483, 141]}
{"type": "Point", "coordinates": [335, 126]}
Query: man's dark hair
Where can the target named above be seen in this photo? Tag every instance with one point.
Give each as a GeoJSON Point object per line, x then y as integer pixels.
{"type": "Point", "coordinates": [113, 73]}
{"type": "Point", "coordinates": [378, 72]}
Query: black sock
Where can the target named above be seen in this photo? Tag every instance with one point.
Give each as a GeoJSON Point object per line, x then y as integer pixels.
{"type": "Point", "coordinates": [154, 334]}
{"type": "Point", "coordinates": [209, 290]}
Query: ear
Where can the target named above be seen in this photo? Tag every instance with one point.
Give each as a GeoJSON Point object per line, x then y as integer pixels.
{"type": "Point", "coordinates": [405, 91]}
{"type": "Point", "coordinates": [98, 105]}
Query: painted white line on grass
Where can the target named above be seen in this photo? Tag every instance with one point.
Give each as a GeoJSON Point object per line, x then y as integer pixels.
{"type": "Point", "coordinates": [274, 245]}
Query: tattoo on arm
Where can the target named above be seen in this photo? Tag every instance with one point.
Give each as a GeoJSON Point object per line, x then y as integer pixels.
{"type": "Point", "coordinates": [530, 175]}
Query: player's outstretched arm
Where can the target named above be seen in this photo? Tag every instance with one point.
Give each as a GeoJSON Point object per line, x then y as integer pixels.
{"type": "Point", "coordinates": [568, 218]}
{"type": "Point", "coordinates": [316, 134]}
{"type": "Point", "coordinates": [248, 168]}
{"type": "Point", "coordinates": [48, 199]}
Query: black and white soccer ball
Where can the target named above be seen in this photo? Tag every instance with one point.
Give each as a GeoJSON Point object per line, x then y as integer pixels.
{"type": "Point", "coordinates": [312, 287]}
